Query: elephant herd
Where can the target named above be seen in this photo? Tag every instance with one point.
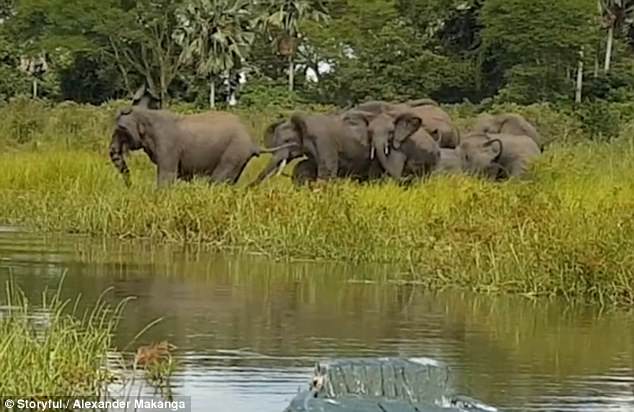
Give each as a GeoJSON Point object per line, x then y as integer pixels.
{"type": "Point", "coordinates": [373, 140]}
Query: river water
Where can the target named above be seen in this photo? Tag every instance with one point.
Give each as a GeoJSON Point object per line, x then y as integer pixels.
{"type": "Point", "coordinates": [249, 329]}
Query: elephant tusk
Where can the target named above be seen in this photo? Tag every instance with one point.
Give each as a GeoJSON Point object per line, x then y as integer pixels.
{"type": "Point", "coordinates": [281, 167]}
{"type": "Point", "coordinates": [386, 150]}
{"type": "Point", "coordinates": [372, 153]}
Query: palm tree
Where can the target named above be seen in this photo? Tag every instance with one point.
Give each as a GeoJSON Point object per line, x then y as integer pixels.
{"type": "Point", "coordinates": [282, 19]}
{"type": "Point", "coordinates": [218, 34]}
{"type": "Point", "coordinates": [616, 13]}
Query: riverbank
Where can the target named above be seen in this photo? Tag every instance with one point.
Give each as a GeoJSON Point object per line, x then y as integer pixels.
{"type": "Point", "coordinates": [52, 352]}
{"type": "Point", "coordinates": [567, 230]}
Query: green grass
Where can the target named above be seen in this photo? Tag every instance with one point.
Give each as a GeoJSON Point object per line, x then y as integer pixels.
{"type": "Point", "coordinates": [567, 230]}
{"type": "Point", "coordinates": [54, 351]}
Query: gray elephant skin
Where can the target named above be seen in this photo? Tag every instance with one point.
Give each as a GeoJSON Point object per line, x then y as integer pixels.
{"type": "Point", "coordinates": [214, 145]}
{"type": "Point", "coordinates": [436, 121]}
{"type": "Point", "coordinates": [404, 149]}
{"type": "Point", "coordinates": [333, 147]}
{"type": "Point", "coordinates": [507, 123]}
{"type": "Point", "coordinates": [449, 162]}
{"type": "Point", "coordinates": [497, 156]}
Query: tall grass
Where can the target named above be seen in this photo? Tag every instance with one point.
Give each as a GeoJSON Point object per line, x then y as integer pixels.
{"type": "Point", "coordinates": [566, 230]}
{"type": "Point", "coordinates": [54, 351]}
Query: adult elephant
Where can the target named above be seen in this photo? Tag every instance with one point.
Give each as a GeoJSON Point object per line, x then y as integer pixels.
{"type": "Point", "coordinates": [507, 123]}
{"type": "Point", "coordinates": [436, 121]}
{"type": "Point", "coordinates": [334, 146]}
{"type": "Point", "coordinates": [215, 145]}
{"type": "Point", "coordinates": [497, 156]}
{"type": "Point", "coordinates": [404, 149]}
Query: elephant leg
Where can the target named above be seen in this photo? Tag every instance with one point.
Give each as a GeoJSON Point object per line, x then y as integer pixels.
{"type": "Point", "coordinates": [304, 171]}
{"type": "Point", "coordinates": [184, 176]}
{"type": "Point", "coordinates": [167, 172]}
{"type": "Point", "coordinates": [229, 170]}
{"type": "Point", "coordinates": [240, 169]}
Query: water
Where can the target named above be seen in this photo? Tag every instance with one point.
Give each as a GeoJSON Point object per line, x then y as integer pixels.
{"type": "Point", "coordinates": [248, 329]}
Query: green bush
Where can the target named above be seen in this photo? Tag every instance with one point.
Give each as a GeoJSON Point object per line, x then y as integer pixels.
{"type": "Point", "coordinates": [600, 120]}
{"type": "Point", "coordinates": [527, 84]}
{"type": "Point", "coordinates": [262, 94]}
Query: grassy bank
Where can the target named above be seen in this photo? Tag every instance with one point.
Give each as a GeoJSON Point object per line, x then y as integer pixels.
{"type": "Point", "coordinates": [53, 351]}
{"type": "Point", "coordinates": [565, 231]}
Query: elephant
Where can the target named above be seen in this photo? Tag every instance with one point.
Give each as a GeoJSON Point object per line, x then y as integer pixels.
{"type": "Point", "coordinates": [146, 99]}
{"type": "Point", "coordinates": [305, 171]}
{"type": "Point", "coordinates": [215, 144]}
{"type": "Point", "coordinates": [436, 121]}
{"type": "Point", "coordinates": [507, 123]}
{"type": "Point", "coordinates": [334, 146]}
{"type": "Point", "coordinates": [404, 149]}
{"type": "Point", "coordinates": [449, 162]}
{"type": "Point", "coordinates": [497, 156]}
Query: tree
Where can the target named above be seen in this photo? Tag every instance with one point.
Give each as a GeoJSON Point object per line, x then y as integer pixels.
{"type": "Point", "coordinates": [534, 45]}
{"type": "Point", "coordinates": [283, 19]}
{"type": "Point", "coordinates": [615, 13]}
{"type": "Point", "coordinates": [142, 41]}
{"type": "Point", "coordinates": [218, 34]}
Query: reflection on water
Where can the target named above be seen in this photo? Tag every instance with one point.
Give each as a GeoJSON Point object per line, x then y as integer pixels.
{"type": "Point", "coordinates": [248, 329]}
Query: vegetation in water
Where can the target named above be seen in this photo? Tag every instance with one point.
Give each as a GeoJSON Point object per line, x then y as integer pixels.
{"type": "Point", "coordinates": [54, 350]}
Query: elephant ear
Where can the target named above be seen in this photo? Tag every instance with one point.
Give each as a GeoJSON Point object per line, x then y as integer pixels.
{"type": "Point", "coordinates": [405, 125]}
{"type": "Point", "coordinates": [495, 147]}
{"type": "Point", "coordinates": [269, 133]}
{"type": "Point", "coordinates": [298, 120]}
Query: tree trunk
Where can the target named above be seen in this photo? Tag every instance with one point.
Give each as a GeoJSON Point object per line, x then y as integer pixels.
{"type": "Point", "coordinates": [291, 73]}
{"type": "Point", "coordinates": [212, 93]}
{"type": "Point", "coordinates": [579, 89]}
{"type": "Point", "coordinates": [608, 49]}
{"type": "Point", "coordinates": [163, 91]}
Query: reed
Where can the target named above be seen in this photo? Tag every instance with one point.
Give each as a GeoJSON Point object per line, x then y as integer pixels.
{"type": "Point", "coordinates": [54, 350]}
{"type": "Point", "coordinates": [566, 230]}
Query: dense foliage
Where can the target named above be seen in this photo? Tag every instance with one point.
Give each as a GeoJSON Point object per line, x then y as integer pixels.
{"type": "Point", "coordinates": [327, 51]}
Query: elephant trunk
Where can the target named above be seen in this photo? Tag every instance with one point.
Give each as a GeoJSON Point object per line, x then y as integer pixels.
{"type": "Point", "coordinates": [389, 158]}
{"type": "Point", "coordinates": [117, 156]}
{"type": "Point", "coordinates": [276, 164]}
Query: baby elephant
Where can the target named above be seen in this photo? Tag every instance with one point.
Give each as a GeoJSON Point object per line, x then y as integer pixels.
{"type": "Point", "coordinates": [507, 123]}
{"type": "Point", "coordinates": [215, 145]}
{"type": "Point", "coordinates": [497, 156]}
{"type": "Point", "coordinates": [449, 162]}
